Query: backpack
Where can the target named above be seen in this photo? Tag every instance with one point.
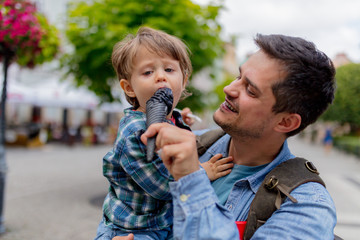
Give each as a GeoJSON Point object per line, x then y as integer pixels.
{"type": "Point", "coordinates": [276, 186]}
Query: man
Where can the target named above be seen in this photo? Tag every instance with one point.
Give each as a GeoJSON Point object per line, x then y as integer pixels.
{"type": "Point", "coordinates": [281, 89]}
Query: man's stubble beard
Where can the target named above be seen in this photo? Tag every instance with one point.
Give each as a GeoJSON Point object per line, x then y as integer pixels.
{"type": "Point", "coordinates": [238, 132]}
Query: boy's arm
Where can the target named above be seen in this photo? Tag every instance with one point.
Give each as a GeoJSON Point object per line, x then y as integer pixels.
{"type": "Point", "coordinates": [129, 155]}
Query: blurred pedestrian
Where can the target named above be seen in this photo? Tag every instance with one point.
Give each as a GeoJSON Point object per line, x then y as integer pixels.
{"type": "Point", "coordinates": [328, 138]}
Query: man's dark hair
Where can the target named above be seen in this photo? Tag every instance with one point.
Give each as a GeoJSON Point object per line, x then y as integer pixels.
{"type": "Point", "coordinates": [309, 85]}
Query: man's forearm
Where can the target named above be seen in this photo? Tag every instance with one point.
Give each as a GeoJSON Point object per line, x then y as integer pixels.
{"type": "Point", "coordinates": [197, 213]}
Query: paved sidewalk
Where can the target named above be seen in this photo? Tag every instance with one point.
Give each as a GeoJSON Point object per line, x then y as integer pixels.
{"type": "Point", "coordinates": [50, 192]}
{"type": "Point", "coordinates": [55, 192]}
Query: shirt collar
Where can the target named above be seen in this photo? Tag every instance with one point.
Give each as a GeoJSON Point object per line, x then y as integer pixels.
{"type": "Point", "coordinates": [255, 180]}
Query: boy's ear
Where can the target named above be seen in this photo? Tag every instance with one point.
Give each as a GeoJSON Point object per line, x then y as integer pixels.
{"type": "Point", "coordinates": [125, 85]}
{"type": "Point", "coordinates": [288, 122]}
{"type": "Point", "coordinates": [185, 81]}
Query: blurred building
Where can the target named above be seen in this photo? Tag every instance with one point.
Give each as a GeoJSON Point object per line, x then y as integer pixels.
{"type": "Point", "coordinates": [37, 99]}
{"type": "Point", "coordinates": [341, 59]}
{"type": "Point", "coordinates": [227, 65]}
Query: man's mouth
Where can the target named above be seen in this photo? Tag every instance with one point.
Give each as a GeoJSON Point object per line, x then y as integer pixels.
{"type": "Point", "coordinates": [228, 106]}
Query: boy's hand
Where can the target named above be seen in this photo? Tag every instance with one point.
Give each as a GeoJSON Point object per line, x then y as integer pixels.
{"type": "Point", "coordinates": [186, 118]}
{"type": "Point", "coordinates": [216, 167]}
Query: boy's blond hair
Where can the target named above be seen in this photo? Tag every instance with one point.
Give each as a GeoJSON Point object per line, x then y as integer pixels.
{"type": "Point", "coordinates": [155, 41]}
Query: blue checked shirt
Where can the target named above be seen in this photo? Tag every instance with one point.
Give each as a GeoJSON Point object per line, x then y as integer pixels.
{"type": "Point", "coordinates": [139, 195]}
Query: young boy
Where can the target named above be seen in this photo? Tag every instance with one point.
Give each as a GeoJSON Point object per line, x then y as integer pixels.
{"type": "Point", "coordinates": [139, 199]}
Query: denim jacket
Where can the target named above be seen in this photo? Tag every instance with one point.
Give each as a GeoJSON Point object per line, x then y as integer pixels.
{"type": "Point", "coordinates": [198, 215]}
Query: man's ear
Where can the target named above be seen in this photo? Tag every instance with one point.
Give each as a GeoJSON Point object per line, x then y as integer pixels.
{"type": "Point", "coordinates": [288, 122]}
{"type": "Point", "coordinates": [125, 85]}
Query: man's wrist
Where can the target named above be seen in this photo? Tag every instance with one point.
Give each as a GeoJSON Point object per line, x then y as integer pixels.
{"type": "Point", "coordinates": [195, 186]}
{"type": "Point", "coordinates": [178, 176]}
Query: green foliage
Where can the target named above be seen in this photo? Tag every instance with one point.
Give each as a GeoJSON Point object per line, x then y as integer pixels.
{"type": "Point", "coordinates": [219, 95]}
{"type": "Point", "coordinates": [349, 144]}
{"type": "Point", "coordinates": [49, 42]}
{"type": "Point", "coordinates": [195, 102]}
{"type": "Point", "coordinates": [94, 28]}
{"type": "Point", "coordinates": [346, 105]}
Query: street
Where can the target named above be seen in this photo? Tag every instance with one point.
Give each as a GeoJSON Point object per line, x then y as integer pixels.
{"type": "Point", "coordinates": [50, 190]}
{"type": "Point", "coordinates": [55, 192]}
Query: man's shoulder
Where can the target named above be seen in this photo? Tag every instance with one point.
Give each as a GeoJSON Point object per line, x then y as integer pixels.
{"type": "Point", "coordinates": [314, 192]}
{"type": "Point", "coordinates": [211, 142]}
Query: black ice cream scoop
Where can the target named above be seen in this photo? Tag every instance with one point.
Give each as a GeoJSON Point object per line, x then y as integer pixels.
{"type": "Point", "coordinates": [157, 108]}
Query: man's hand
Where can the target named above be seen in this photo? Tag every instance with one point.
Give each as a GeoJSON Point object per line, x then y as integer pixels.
{"type": "Point", "coordinates": [178, 148]}
{"type": "Point", "coordinates": [128, 237]}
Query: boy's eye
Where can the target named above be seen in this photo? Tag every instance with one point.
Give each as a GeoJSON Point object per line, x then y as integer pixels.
{"type": "Point", "coordinates": [147, 72]}
{"type": "Point", "coordinates": [169, 70]}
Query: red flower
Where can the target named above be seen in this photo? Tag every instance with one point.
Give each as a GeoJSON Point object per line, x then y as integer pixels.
{"type": "Point", "coordinates": [20, 30]}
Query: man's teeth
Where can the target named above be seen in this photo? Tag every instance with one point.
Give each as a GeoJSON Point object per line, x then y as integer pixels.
{"type": "Point", "coordinates": [230, 107]}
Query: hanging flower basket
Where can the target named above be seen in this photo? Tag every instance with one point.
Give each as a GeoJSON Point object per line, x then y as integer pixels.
{"type": "Point", "coordinates": [27, 33]}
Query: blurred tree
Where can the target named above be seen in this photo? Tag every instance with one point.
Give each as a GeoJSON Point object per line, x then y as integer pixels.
{"type": "Point", "coordinates": [218, 93]}
{"type": "Point", "coordinates": [28, 39]}
{"type": "Point", "coordinates": [346, 105]}
{"type": "Point", "coordinates": [93, 29]}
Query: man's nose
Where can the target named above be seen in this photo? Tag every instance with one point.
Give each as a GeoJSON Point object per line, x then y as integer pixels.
{"type": "Point", "coordinates": [232, 90]}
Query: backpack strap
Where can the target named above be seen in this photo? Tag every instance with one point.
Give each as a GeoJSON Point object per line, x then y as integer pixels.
{"type": "Point", "coordinates": [276, 186]}
{"type": "Point", "coordinates": [205, 140]}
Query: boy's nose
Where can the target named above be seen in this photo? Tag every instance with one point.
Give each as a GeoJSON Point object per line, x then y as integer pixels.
{"type": "Point", "coordinates": [160, 76]}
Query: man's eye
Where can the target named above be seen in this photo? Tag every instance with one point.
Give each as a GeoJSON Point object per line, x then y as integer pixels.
{"type": "Point", "coordinates": [238, 77]}
{"type": "Point", "coordinates": [250, 92]}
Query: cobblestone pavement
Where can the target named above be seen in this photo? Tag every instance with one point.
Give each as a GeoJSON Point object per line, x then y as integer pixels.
{"type": "Point", "coordinates": [55, 192]}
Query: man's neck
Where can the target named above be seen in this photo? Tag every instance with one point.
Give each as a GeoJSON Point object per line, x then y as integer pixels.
{"type": "Point", "coordinates": [254, 152]}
